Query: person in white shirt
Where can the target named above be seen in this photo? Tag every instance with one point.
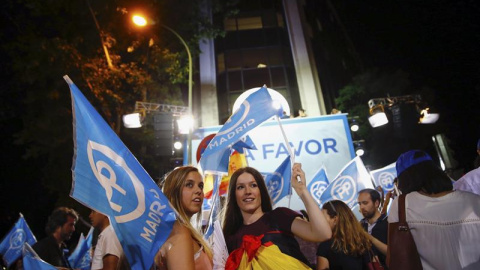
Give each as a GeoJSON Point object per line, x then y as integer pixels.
{"type": "Point", "coordinates": [108, 254]}
{"type": "Point", "coordinates": [469, 182]}
{"type": "Point", "coordinates": [445, 224]}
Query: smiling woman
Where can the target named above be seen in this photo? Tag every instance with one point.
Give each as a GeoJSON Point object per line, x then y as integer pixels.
{"type": "Point", "coordinates": [258, 237]}
{"type": "Point", "coordinates": [185, 247]}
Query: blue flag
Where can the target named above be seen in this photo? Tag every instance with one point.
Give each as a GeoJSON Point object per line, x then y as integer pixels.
{"type": "Point", "coordinates": [278, 183]}
{"type": "Point", "coordinates": [110, 180]}
{"type": "Point", "coordinates": [318, 184]}
{"type": "Point", "coordinates": [257, 108]}
{"type": "Point", "coordinates": [246, 142]}
{"type": "Point", "coordinates": [216, 163]}
{"type": "Point", "coordinates": [215, 206]}
{"type": "Point", "coordinates": [12, 243]}
{"type": "Point", "coordinates": [81, 257]}
{"type": "Point", "coordinates": [32, 261]}
{"type": "Point", "coordinates": [384, 177]}
{"type": "Point", "coordinates": [351, 179]}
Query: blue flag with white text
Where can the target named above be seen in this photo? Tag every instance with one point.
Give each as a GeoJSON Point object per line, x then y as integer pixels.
{"type": "Point", "coordinates": [278, 182]}
{"type": "Point", "coordinates": [12, 243]}
{"type": "Point", "coordinates": [345, 187]}
{"type": "Point", "coordinates": [32, 261]}
{"type": "Point", "coordinates": [255, 109]}
{"type": "Point", "coordinates": [81, 257]}
{"type": "Point", "coordinates": [109, 179]}
{"type": "Point", "coordinates": [384, 177]}
{"type": "Point", "coordinates": [318, 184]}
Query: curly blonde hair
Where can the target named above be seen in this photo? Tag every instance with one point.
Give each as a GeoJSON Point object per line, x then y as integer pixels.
{"type": "Point", "coordinates": [348, 235]}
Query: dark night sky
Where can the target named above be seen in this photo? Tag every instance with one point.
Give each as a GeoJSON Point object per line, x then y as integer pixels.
{"type": "Point", "coordinates": [436, 42]}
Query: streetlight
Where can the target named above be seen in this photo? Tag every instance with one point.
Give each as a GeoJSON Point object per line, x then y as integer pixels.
{"type": "Point", "coordinates": [142, 21]}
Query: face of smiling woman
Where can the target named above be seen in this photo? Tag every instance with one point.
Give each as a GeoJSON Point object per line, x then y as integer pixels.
{"type": "Point", "coordinates": [248, 195]}
{"type": "Point", "coordinates": [192, 193]}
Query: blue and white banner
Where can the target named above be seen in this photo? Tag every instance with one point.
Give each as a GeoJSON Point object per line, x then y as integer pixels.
{"type": "Point", "coordinates": [278, 182]}
{"type": "Point", "coordinates": [81, 257]}
{"type": "Point", "coordinates": [110, 180]}
{"type": "Point", "coordinates": [317, 141]}
{"type": "Point", "coordinates": [255, 109]}
{"type": "Point", "coordinates": [318, 184]}
{"type": "Point", "coordinates": [12, 243]}
{"type": "Point", "coordinates": [345, 187]}
{"type": "Point", "coordinates": [32, 261]}
{"type": "Point", "coordinates": [384, 177]}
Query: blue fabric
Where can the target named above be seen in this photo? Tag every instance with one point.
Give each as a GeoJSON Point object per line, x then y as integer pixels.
{"type": "Point", "coordinates": [278, 182]}
{"type": "Point", "coordinates": [216, 163]}
{"type": "Point", "coordinates": [81, 257]}
{"type": "Point", "coordinates": [318, 184]}
{"type": "Point", "coordinates": [407, 159]}
{"type": "Point", "coordinates": [345, 186]}
{"type": "Point", "coordinates": [32, 261]}
{"type": "Point", "coordinates": [110, 180]}
{"type": "Point", "coordinates": [12, 243]}
{"type": "Point", "coordinates": [257, 108]}
{"type": "Point", "coordinates": [245, 143]}
{"type": "Point", "coordinates": [384, 177]}
{"type": "Point", "coordinates": [215, 206]}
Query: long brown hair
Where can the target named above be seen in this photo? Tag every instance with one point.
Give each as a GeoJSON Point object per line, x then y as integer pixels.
{"type": "Point", "coordinates": [172, 188]}
{"type": "Point", "coordinates": [348, 235]}
{"type": "Point", "coordinates": [233, 218]}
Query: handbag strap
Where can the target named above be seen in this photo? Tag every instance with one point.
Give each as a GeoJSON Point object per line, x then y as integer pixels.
{"type": "Point", "coordinates": [402, 220]}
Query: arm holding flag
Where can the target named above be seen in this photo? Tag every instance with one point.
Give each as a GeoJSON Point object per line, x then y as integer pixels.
{"type": "Point", "coordinates": [317, 229]}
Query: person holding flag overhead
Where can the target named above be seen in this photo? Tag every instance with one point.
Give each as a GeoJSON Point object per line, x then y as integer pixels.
{"type": "Point", "coordinates": [59, 228]}
{"type": "Point", "coordinates": [108, 253]}
{"type": "Point", "coordinates": [185, 248]}
{"type": "Point", "coordinates": [259, 237]}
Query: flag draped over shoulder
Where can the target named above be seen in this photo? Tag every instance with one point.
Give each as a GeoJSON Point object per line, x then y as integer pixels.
{"type": "Point", "coordinates": [257, 108]}
{"type": "Point", "coordinates": [351, 179]}
{"type": "Point", "coordinates": [32, 261]}
{"type": "Point", "coordinates": [278, 182]}
{"type": "Point", "coordinates": [110, 180]}
{"type": "Point", "coordinates": [81, 257]}
{"type": "Point", "coordinates": [384, 177]}
{"type": "Point", "coordinates": [318, 184]}
{"type": "Point", "coordinates": [12, 243]}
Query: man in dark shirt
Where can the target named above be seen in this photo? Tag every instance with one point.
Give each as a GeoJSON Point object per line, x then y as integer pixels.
{"type": "Point", "coordinates": [59, 228]}
{"type": "Point", "coordinates": [375, 223]}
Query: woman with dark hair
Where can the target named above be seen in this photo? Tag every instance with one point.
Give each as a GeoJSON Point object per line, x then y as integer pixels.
{"type": "Point", "coordinates": [185, 247]}
{"type": "Point", "coordinates": [261, 238]}
{"type": "Point", "coordinates": [350, 245]}
{"type": "Point", "coordinates": [445, 224]}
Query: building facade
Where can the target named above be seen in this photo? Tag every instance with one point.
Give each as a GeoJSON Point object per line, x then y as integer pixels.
{"type": "Point", "coordinates": [268, 42]}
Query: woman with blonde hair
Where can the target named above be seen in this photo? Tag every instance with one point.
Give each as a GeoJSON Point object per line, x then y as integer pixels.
{"type": "Point", "coordinates": [185, 247]}
{"type": "Point", "coordinates": [349, 246]}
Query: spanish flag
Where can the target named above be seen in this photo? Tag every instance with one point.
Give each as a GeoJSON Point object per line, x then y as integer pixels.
{"type": "Point", "coordinates": [236, 161]}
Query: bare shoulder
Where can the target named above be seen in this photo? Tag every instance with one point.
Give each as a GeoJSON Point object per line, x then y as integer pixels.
{"type": "Point", "coordinates": [179, 233]}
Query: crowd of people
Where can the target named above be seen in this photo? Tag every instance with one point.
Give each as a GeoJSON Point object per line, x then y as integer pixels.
{"type": "Point", "coordinates": [444, 223]}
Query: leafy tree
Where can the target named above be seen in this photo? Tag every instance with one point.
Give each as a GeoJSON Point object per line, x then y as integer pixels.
{"type": "Point", "coordinates": [353, 98]}
{"type": "Point", "coordinates": [42, 40]}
